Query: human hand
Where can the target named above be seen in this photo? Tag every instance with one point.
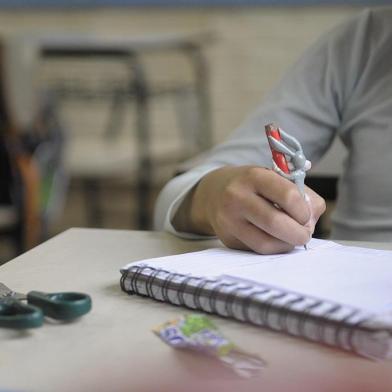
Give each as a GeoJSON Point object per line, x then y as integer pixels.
{"type": "Point", "coordinates": [239, 205]}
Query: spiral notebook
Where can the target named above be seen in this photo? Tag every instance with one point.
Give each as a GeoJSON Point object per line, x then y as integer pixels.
{"type": "Point", "coordinates": [331, 293]}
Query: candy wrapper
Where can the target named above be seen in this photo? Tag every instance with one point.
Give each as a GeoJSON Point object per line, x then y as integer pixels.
{"type": "Point", "coordinates": [198, 333]}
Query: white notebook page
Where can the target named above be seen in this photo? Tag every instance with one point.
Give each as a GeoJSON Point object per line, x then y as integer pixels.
{"type": "Point", "coordinates": [348, 275]}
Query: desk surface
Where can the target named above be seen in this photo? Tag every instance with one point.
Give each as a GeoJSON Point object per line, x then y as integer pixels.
{"type": "Point", "coordinates": [113, 348]}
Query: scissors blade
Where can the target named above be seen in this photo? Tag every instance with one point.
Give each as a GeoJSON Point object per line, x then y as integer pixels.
{"type": "Point", "coordinates": [6, 292]}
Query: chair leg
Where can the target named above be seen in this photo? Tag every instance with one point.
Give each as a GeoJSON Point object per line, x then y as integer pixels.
{"type": "Point", "coordinates": [116, 114]}
{"type": "Point", "coordinates": [92, 199]}
{"type": "Point", "coordinates": [144, 179]}
{"type": "Point", "coordinates": [202, 85]}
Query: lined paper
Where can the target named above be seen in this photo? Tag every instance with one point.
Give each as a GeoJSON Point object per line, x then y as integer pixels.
{"type": "Point", "coordinates": [359, 277]}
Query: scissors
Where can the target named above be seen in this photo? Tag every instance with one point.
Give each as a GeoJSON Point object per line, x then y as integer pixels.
{"type": "Point", "coordinates": [63, 306]}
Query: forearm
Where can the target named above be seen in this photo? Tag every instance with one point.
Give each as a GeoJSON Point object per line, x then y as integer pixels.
{"type": "Point", "coordinates": [193, 214]}
{"type": "Point", "coordinates": [176, 195]}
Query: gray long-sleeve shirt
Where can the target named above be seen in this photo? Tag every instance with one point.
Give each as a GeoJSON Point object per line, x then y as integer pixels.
{"type": "Point", "coordinates": [342, 85]}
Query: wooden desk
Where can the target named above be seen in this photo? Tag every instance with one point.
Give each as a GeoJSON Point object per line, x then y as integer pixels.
{"type": "Point", "coordinates": [113, 348]}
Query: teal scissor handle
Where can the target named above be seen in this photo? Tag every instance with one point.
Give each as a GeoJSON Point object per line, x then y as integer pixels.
{"type": "Point", "coordinates": [17, 315]}
{"type": "Point", "coordinates": [61, 306]}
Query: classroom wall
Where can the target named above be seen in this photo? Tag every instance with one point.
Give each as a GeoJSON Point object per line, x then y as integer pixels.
{"type": "Point", "coordinates": [253, 48]}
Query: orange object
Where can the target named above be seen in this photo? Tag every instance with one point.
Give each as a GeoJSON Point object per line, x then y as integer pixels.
{"type": "Point", "coordinates": [278, 157]}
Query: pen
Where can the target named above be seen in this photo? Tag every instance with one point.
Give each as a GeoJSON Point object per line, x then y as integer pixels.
{"type": "Point", "coordinates": [279, 149]}
{"type": "Point", "coordinates": [279, 158]}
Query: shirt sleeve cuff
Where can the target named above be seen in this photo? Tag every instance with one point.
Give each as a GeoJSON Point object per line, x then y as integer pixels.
{"type": "Point", "coordinates": [172, 196]}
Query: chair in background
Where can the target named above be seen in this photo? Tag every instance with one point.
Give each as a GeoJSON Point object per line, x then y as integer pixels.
{"type": "Point", "coordinates": [191, 99]}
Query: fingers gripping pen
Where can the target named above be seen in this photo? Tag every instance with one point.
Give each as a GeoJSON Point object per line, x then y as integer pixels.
{"type": "Point", "coordinates": [283, 144]}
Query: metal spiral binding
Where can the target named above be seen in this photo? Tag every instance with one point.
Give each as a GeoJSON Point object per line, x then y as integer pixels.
{"type": "Point", "coordinates": [285, 311]}
{"type": "Point", "coordinates": [340, 326]}
{"type": "Point", "coordinates": [266, 308]}
{"type": "Point", "coordinates": [181, 290]}
{"type": "Point", "coordinates": [320, 332]}
{"type": "Point", "coordinates": [166, 286]}
{"type": "Point", "coordinates": [212, 300]}
{"type": "Point", "coordinates": [217, 294]}
{"type": "Point", "coordinates": [150, 282]}
{"type": "Point", "coordinates": [122, 283]}
{"type": "Point", "coordinates": [231, 297]}
{"type": "Point", "coordinates": [199, 289]}
{"type": "Point", "coordinates": [247, 303]}
{"type": "Point", "coordinates": [139, 273]}
{"type": "Point", "coordinates": [303, 317]}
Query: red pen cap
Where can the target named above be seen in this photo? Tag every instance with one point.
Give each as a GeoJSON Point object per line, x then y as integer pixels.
{"type": "Point", "coordinates": [278, 157]}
